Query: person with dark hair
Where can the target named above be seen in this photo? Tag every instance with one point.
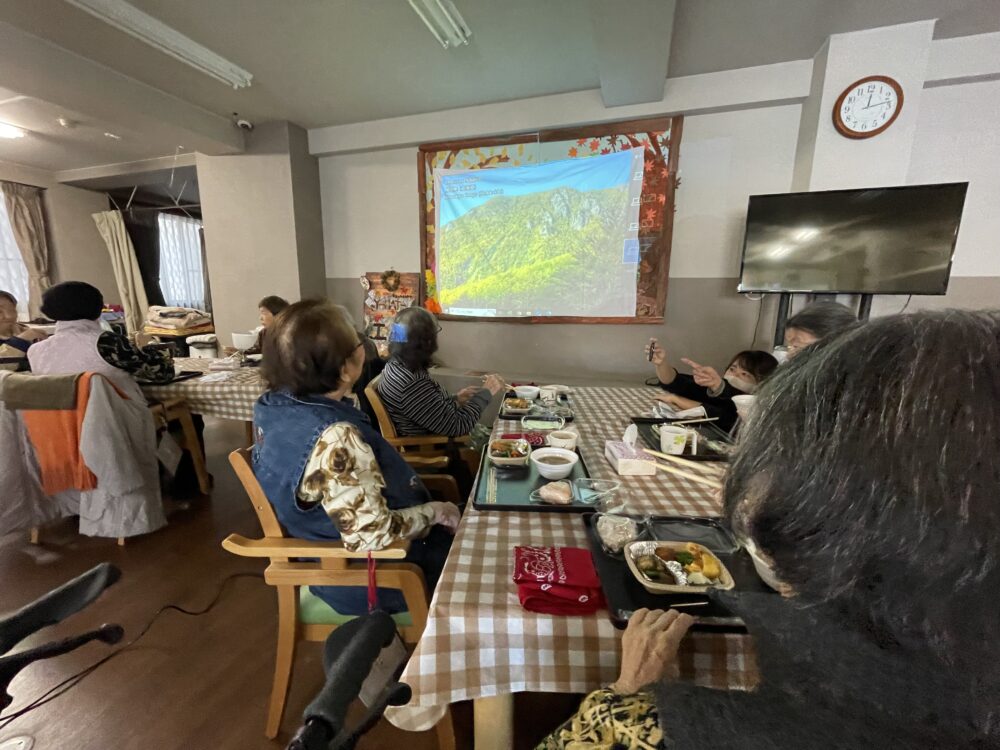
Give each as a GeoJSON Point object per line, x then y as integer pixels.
{"type": "Point", "coordinates": [705, 387]}
{"type": "Point", "coordinates": [80, 344]}
{"type": "Point", "coordinates": [326, 470]}
{"type": "Point", "coordinates": [15, 338]}
{"type": "Point", "coordinates": [867, 484]}
{"type": "Point", "coordinates": [417, 404]}
{"type": "Point", "coordinates": [268, 308]}
{"type": "Point", "coordinates": [815, 322]}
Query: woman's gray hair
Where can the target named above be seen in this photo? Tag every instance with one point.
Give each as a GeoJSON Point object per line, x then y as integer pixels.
{"type": "Point", "coordinates": [870, 474]}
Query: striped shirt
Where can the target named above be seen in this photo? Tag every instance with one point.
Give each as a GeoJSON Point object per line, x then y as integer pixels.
{"type": "Point", "coordinates": [419, 406]}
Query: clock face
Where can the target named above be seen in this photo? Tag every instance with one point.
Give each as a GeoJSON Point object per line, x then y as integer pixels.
{"type": "Point", "coordinates": [868, 107]}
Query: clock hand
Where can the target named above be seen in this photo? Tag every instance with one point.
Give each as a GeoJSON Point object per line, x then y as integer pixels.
{"type": "Point", "coordinates": [876, 104]}
{"type": "Point", "coordinates": [870, 100]}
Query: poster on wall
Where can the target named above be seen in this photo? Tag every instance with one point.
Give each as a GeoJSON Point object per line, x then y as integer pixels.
{"type": "Point", "coordinates": [386, 293]}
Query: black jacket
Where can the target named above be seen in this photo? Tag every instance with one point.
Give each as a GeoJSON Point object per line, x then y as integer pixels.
{"type": "Point", "coordinates": [827, 687]}
{"type": "Point", "coordinates": [721, 407]}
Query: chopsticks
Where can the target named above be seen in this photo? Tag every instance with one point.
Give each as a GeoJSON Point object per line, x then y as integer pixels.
{"type": "Point", "coordinates": [700, 465]}
{"type": "Point", "coordinates": [693, 421]}
{"type": "Point", "coordinates": [697, 478]}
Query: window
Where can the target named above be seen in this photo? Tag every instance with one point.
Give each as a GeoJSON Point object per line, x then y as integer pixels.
{"type": "Point", "coordinates": [182, 273]}
{"type": "Point", "coordinates": [13, 273]}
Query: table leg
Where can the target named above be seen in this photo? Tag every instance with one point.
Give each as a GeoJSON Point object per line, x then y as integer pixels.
{"type": "Point", "coordinates": [493, 722]}
{"type": "Point", "coordinates": [248, 426]}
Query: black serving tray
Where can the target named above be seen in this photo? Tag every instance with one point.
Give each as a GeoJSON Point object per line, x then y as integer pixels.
{"type": "Point", "coordinates": [624, 594]}
{"type": "Point", "coordinates": [515, 483]}
{"type": "Point", "coordinates": [705, 430]}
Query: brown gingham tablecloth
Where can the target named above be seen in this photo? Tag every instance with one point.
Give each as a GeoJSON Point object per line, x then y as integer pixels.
{"type": "Point", "coordinates": [479, 642]}
{"type": "Point", "coordinates": [229, 394]}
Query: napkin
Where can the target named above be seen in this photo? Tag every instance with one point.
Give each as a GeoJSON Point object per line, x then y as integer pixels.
{"type": "Point", "coordinates": [557, 580]}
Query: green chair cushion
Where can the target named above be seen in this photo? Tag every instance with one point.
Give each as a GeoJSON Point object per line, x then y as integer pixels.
{"type": "Point", "coordinates": [314, 611]}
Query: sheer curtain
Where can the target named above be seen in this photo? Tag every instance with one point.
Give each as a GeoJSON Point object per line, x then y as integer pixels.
{"type": "Point", "coordinates": [182, 274]}
{"type": "Point", "coordinates": [13, 272]}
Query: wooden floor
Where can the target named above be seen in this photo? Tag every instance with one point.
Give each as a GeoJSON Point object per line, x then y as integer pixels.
{"type": "Point", "coordinates": [192, 683]}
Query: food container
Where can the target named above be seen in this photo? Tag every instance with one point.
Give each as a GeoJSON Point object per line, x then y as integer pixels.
{"type": "Point", "coordinates": [244, 341]}
{"type": "Point", "coordinates": [763, 569]}
{"type": "Point", "coordinates": [554, 471]}
{"type": "Point", "coordinates": [542, 422]}
{"type": "Point", "coordinates": [522, 444]}
{"type": "Point", "coordinates": [638, 549]}
{"type": "Point", "coordinates": [563, 439]}
{"type": "Point", "coordinates": [510, 407]}
{"type": "Point", "coordinates": [744, 405]}
{"type": "Point", "coordinates": [616, 532]}
{"type": "Point", "coordinates": [591, 491]}
{"type": "Point", "coordinates": [529, 392]}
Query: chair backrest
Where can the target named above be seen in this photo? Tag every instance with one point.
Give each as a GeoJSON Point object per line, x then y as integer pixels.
{"type": "Point", "coordinates": [240, 461]}
{"type": "Point", "coordinates": [385, 424]}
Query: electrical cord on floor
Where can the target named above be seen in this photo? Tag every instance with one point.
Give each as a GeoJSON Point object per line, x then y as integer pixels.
{"type": "Point", "coordinates": [73, 680]}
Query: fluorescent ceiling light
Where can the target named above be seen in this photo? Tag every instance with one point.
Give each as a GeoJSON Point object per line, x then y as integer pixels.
{"type": "Point", "coordinates": [10, 131]}
{"type": "Point", "coordinates": [806, 233]}
{"type": "Point", "coordinates": [158, 35]}
{"type": "Point", "coordinates": [779, 251]}
{"type": "Point", "coordinates": [443, 20]}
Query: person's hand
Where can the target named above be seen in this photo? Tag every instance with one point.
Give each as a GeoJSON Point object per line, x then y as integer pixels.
{"type": "Point", "coordinates": [655, 353]}
{"type": "Point", "coordinates": [494, 384]}
{"type": "Point", "coordinates": [446, 514]}
{"type": "Point", "coordinates": [704, 376]}
{"type": "Point", "coordinates": [649, 647]}
{"type": "Point", "coordinates": [677, 402]}
{"type": "Point", "coordinates": [465, 394]}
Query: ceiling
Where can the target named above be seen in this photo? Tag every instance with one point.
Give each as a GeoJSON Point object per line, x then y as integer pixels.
{"type": "Point", "coordinates": [327, 62]}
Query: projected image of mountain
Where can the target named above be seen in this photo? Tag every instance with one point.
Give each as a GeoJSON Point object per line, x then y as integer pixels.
{"type": "Point", "coordinates": [544, 240]}
{"type": "Point", "coordinates": [535, 253]}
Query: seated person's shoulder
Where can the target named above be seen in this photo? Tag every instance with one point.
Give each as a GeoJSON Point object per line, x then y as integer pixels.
{"type": "Point", "coordinates": [32, 335]}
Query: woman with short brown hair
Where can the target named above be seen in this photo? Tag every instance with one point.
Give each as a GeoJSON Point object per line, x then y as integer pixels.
{"type": "Point", "coordinates": [328, 473]}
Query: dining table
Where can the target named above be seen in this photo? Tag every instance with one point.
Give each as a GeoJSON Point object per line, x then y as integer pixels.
{"type": "Point", "coordinates": [481, 645]}
{"type": "Point", "coordinates": [227, 394]}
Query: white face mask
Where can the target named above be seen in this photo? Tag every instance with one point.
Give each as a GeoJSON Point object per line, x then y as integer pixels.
{"type": "Point", "coordinates": [741, 385]}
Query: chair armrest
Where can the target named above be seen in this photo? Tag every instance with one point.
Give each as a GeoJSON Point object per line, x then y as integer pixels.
{"type": "Point", "coordinates": [426, 462]}
{"type": "Point", "coordinates": [282, 547]}
{"type": "Point", "coordinates": [423, 441]}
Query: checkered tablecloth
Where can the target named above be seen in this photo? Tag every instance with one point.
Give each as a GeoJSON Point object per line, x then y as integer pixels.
{"type": "Point", "coordinates": [479, 641]}
{"type": "Point", "coordinates": [228, 394]}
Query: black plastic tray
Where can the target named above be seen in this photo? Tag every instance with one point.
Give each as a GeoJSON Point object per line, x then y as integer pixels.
{"type": "Point", "coordinates": [624, 594]}
{"type": "Point", "coordinates": [705, 430]}
{"type": "Point", "coordinates": [182, 375]}
{"type": "Point", "coordinates": [519, 482]}
{"type": "Point", "coordinates": [562, 400]}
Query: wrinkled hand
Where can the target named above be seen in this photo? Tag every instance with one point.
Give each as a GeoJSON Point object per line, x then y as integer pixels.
{"type": "Point", "coordinates": [465, 394]}
{"type": "Point", "coordinates": [494, 384]}
{"type": "Point", "coordinates": [704, 376]}
{"type": "Point", "coordinates": [678, 402]}
{"type": "Point", "coordinates": [659, 353]}
{"type": "Point", "coordinates": [446, 514]}
{"type": "Point", "coordinates": [649, 647]}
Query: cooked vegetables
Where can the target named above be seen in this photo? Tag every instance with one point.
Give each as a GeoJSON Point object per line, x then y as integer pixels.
{"type": "Point", "coordinates": [691, 566]}
{"type": "Point", "coordinates": [508, 449]}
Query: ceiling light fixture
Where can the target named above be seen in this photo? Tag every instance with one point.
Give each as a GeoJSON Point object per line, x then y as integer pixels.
{"type": "Point", "coordinates": [10, 131]}
{"type": "Point", "coordinates": [443, 20]}
{"type": "Point", "coordinates": [158, 35]}
{"type": "Point", "coordinates": [113, 136]}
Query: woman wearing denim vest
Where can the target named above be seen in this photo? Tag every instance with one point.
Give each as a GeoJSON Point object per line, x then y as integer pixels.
{"type": "Point", "coordinates": [328, 473]}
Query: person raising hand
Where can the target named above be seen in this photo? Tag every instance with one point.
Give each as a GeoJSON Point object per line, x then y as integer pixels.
{"type": "Point", "coordinates": [704, 387]}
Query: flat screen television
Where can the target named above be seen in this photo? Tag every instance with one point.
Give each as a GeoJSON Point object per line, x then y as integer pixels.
{"type": "Point", "coordinates": [889, 240]}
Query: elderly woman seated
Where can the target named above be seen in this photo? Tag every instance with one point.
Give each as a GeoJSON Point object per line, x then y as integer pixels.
{"type": "Point", "coordinates": [417, 404]}
{"type": "Point", "coordinates": [328, 473]}
{"type": "Point", "coordinates": [868, 486]}
{"type": "Point", "coordinates": [15, 338]}
{"type": "Point", "coordinates": [80, 344]}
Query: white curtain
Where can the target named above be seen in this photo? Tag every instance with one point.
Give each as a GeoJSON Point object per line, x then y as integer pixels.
{"type": "Point", "coordinates": [112, 228]}
{"type": "Point", "coordinates": [182, 274]}
{"type": "Point", "coordinates": [27, 222]}
{"type": "Point", "coordinates": [13, 272]}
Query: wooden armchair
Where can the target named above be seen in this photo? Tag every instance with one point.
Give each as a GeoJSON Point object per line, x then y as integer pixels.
{"type": "Point", "coordinates": [301, 615]}
{"type": "Point", "coordinates": [420, 451]}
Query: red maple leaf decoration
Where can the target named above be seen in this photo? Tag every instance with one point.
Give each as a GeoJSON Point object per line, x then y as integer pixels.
{"type": "Point", "coordinates": [572, 151]}
{"type": "Point", "coordinates": [581, 141]}
{"type": "Point", "coordinates": [647, 166]}
{"type": "Point", "coordinates": [661, 198]}
{"type": "Point", "coordinates": [595, 144]}
{"type": "Point", "coordinates": [649, 214]}
{"type": "Point", "coordinates": [605, 150]}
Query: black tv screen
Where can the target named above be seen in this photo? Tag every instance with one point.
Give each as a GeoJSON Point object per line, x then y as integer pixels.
{"type": "Point", "coordinates": [893, 240]}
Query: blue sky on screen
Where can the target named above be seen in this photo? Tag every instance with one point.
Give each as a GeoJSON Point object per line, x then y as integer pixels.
{"type": "Point", "coordinates": [462, 190]}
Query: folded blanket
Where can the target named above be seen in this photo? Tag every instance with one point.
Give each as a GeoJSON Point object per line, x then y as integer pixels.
{"type": "Point", "coordinates": [174, 318]}
{"type": "Point", "coordinates": [557, 580]}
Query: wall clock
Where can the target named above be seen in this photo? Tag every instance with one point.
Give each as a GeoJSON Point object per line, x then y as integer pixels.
{"type": "Point", "coordinates": [867, 107]}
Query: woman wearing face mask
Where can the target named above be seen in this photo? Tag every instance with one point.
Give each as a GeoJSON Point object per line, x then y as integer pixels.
{"type": "Point", "coordinates": [326, 470]}
{"type": "Point", "coordinates": [705, 387]}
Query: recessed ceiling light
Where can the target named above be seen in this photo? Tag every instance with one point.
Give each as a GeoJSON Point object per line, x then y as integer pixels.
{"type": "Point", "coordinates": [10, 131]}
{"type": "Point", "coordinates": [113, 136]}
